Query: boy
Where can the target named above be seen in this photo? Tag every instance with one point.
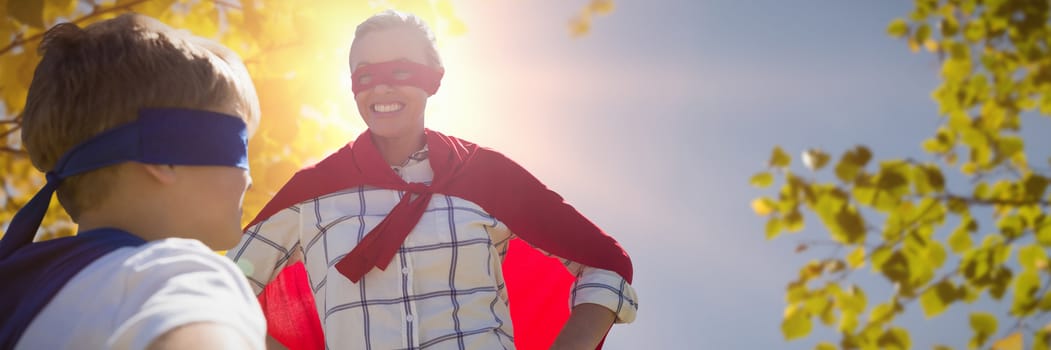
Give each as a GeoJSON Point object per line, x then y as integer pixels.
{"type": "Point", "coordinates": [142, 132]}
{"type": "Point", "coordinates": [408, 235]}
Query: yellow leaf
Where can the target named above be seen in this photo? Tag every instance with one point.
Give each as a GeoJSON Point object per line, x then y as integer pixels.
{"type": "Point", "coordinates": [601, 7]}
{"type": "Point", "coordinates": [969, 168]}
{"type": "Point", "coordinates": [453, 25]}
{"type": "Point", "coordinates": [15, 76]}
{"type": "Point", "coordinates": [580, 25]}
{"type": "Point", "coordinates": [762, 206]}
{"type": "Point", "coordinates": [856, 258]}
{"type": "Point", "coordinates": [1011, 342]}
{"type": "Point", "coordinates": [1019, 160]}
{"type": "Point", "coordinates": [203, 20]}
{"type": "Point", "coordinates": [930, 45]}
{"type": "Point", "coordinates": [54, 9]}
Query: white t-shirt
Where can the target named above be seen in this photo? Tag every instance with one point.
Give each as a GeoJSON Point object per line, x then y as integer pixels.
{"type": "Point", "coordinates": [131, 296]}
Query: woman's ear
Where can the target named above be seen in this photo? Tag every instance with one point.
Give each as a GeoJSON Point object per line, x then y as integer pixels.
{"type": "Point", "coordinates": [164, 174]}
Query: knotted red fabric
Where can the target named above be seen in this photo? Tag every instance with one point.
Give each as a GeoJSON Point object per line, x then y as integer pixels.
{"type": "Point", "coordinates": [538, 286]}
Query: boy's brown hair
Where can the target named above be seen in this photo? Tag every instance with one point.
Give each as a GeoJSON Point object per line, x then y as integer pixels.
{"type": "Point", "coordinates": [96, 78]}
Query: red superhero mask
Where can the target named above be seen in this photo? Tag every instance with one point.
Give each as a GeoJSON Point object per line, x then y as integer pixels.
{"type": "Point", "coordinates": [397, 73]}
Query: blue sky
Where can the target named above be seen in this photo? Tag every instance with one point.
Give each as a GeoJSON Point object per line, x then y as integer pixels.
{"type": "Point", "coordinates": [653, 123]}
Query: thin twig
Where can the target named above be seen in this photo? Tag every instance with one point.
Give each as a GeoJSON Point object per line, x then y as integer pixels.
{"type": "Point", "coordinates": [14, 151]}
{"type": "Point", "coordinates": [226, 4]}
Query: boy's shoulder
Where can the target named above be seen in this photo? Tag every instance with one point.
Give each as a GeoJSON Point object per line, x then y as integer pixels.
{"type": "Point", "coordinates": [137, 293]}
{"type": "Point", "coordinates": [155, 260]}
{"type": "Point", "coordinates": [171, 256]}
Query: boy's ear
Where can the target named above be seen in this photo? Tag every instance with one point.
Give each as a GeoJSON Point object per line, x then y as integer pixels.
{"type": "Point", "coordinates": [164, 174]}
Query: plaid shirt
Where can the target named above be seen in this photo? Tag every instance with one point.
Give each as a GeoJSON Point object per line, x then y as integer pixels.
{"type": "Point", "coordinates": [443, 290]}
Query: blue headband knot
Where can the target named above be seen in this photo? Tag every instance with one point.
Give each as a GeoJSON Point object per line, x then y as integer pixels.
{"type": "Point", "coordinates": [160, 136]}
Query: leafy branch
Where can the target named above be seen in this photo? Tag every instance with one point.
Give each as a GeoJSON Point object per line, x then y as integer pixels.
{"type": "Point", "coordinates": [96, 11]}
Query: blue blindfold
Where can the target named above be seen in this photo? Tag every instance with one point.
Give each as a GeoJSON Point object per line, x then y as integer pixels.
{"type": "Point", "coordinates": [165, 136]}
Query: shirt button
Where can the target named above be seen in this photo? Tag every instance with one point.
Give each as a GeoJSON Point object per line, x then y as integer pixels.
{"type": "Point", "coordinates": [409, 318]}
{"type": "Point", "coordinates": [405, 270]}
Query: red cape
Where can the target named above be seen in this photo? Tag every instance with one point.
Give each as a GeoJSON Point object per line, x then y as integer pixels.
{"type": "Point", "coordinates": [538, 286]}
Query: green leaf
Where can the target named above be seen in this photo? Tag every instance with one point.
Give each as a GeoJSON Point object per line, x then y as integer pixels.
{"type": "Point", "coordinates": [1001, 279]}
{"type": "Point", "coordinates": [1031, 255]}
{"type": "Point", "coordinates": [1011, 226]}
{"type": "Point", "coordinates": [984, 326]}
{"type": "Point", "coordinates": [958, 206]}
{"type": "Point", "coordinates": [29, 12]}
{"type": "Point", "coordinates": [779, 159]}
{"type": "Point", "coordinates": [815, 159]}
{"type": "Point", "coordinates": [851, 225]}
{"type": "Point", "coordinates": [773, 227]}
{"type": "Point", "coordinates": [796, 324]}
{"type": "Point", "coordinates": [1035, 185]}
{"type": "Point", "coordinates": [892, 182]}
{"type": "Point", "coordinates": [982, 190]}
{"type": "Point", "coordinates": [935, 177]}
{"type": "Point", "coordinates": [856, 258]}
{"type": "Point", "coordinates": [1010, 145]}
{"type": "Point", "coordinates": [828, 315]}
{"type": "Point", "coordinates": [921, 268]}
{"type": "Point", "coordinates": [896, 268]}
{"type": "Point", "coordinates": [846, 171]}
{"type": "Point", "coordinates": [848, 322]}
{"type": "Point", "coordinates": [894, 338]}
{"type": "Point", "coordinates": [967, 294]}
{"type": "Point", "coordinates": [1045, 302]}
{"type": "Point", "coordinates": [1043, 233]}
{"type": "Point", "coordinates": [920, 181]}
{"type": "Point", "coordinates": [923, 32]}
{"type": "Point", "coordinates": [796, 292]}
{"type": "Point", "coordinates": [816, 303]}
{"type": "Point", "coordinates": [1042, 338]}
{"type": "Point", "coordinates": [937, 298]}
{"type": "Point", "coordinates": [762, 180]}
{"type": "Point", "coordinates": [898, 28]}
{"type": "Point", "coordinates": [793, 222]}
{"type": "Point", "coordinates": [949, 26]}
{"type": "Point", "coordinates": [852, 162]}
{"type": "Point", "coordinates": [974, 31]}
{"type": "Point", "coordinates": [1025, 285]}
{"type": "Point", "coordinates": [880, 256]}
{"type": "Point", "coordinates": [935, 254]}
{"type": "Point", "coordinates": [960, 239]}
{"type": "Point", "coordinates": [862, 155]}
{"type": "Point", "coordinates": [883, 313]}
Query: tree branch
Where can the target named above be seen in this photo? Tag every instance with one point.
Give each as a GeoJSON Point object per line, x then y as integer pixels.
{"type": "Point", "coordinates": [10, 131]}
{"type": "Point", "coordinates": [97, 11]}
{"type": "Point", "coordinates": [222, 3]}
{"type": "Point", "coordinates": [14, 151]}
{"type": "Point", "coordinates": [1008, 202]}
{"type": "Point", "coordinates": [904, 300]}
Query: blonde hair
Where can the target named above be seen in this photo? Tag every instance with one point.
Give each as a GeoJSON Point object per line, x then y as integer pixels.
{"type": "Point", "coordinates": [391, 19]}
{"type": "Point", "coordinates": [99, 77]}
